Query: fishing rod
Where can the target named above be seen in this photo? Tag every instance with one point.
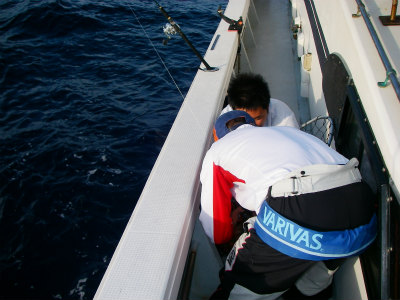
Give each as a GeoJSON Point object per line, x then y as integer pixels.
{"type": "Point", "coordinates": [178, 30]}
{"type": "Point", "coordinates": [158, 54]}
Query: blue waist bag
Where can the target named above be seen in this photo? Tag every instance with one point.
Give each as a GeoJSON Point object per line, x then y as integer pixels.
{"type": "Point", "coordinates": [297, 241]}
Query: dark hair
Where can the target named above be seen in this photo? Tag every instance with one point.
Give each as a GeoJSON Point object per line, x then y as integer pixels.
{"type": "Point", "coordinates": [248, 91]}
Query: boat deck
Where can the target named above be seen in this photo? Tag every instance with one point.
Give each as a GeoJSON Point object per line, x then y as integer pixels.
{"type": "Point", "coordinates": [273, 54]}
{"type": "Point", "coordinates": [158, 237]}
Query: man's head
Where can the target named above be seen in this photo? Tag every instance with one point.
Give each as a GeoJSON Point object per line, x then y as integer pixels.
{"type": "Point", "coordinates": [229, 121]}
{"type": "Point", "coordinates": [250, 93]}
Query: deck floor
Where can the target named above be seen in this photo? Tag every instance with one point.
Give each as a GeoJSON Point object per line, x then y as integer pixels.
{"type": "Point", "coordinates": [273, 54]}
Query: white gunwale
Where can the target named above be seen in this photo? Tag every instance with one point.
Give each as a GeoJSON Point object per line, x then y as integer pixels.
{"type": "Point", "coordinates": [149, 260]}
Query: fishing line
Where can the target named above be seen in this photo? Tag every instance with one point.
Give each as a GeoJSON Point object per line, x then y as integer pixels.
{"type": "Point", "coordinates": [162, 61]}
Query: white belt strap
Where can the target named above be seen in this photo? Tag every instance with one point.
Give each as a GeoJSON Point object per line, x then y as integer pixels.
{"type": "Point", "coordinates": [317, 178]}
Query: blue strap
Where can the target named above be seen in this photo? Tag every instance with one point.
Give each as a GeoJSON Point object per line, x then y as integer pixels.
{"type": "Point", "coordinates": [296, 241]}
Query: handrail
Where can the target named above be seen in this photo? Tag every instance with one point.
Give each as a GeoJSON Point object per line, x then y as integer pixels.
{"type": "Point", "coordinates": [390, 72]}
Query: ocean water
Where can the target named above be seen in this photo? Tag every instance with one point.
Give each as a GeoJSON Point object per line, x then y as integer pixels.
{"type": "Point", "coordinates": [85, 106]}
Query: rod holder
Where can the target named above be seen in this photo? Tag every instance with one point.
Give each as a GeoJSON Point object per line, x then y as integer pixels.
{"type": "Point", "coordinates": [233, 24]}
{"type": "Point", "coordinates": [393, 19]}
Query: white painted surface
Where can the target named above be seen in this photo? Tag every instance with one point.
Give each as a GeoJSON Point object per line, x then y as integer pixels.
{"type": "Point", "coordinates": [149, 260]}
{"type": "Point", "coordinates": [349, 281]}
{"type": "Point", "coordinates": [150, 257]}
{"type": "Point", "coordinates": [349, 38]}
{"type": "Point", "coordinates": [272, 56]}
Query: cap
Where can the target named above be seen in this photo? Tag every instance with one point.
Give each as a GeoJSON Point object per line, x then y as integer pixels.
{"type": "Point", "coordinates": [229, 121]}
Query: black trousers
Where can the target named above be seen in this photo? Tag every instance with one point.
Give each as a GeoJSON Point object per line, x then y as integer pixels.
{"type": "Point", "coordinates": [262, 269]}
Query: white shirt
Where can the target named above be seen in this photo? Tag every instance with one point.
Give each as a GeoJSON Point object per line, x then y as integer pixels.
{"type": "Point", "coordinates": [245, 162]}
{"type": "Point", "coordinates": [279, 114]}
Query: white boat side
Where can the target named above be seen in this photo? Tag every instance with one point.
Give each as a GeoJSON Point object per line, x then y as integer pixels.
{"type": "Point", "coordinates": [349, 38]}
{"type": "Point", "coordinates": [150, 257]}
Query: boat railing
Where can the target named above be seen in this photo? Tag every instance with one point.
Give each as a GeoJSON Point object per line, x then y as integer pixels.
{"type": "Point", "coordinates": [390, 72]}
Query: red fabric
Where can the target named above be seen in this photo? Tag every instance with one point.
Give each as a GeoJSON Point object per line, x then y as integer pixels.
{"type": "Point", "coordinates": [222, 183]}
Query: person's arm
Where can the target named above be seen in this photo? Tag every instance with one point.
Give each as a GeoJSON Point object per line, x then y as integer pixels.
{"type": "Point", "coordinates": [281, 114]}
{"type": "Point", "coordinates": [216, 197]}
{"type": "Point", "coordinates": [291, 121]}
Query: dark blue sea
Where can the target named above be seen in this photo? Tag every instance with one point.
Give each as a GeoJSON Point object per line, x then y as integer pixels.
{"type": "Point", "coordinates": [85, 106]}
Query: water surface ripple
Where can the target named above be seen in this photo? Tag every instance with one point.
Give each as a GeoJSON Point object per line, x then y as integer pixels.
{"type": "Point", "coordinates": [85, 106]}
